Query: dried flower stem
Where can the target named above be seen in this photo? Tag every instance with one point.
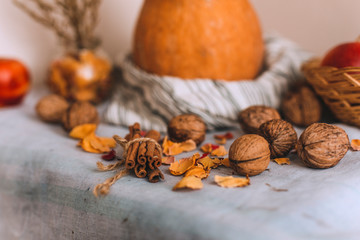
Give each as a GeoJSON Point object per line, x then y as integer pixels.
{"type": "Point", "coordinates": [73, 21]}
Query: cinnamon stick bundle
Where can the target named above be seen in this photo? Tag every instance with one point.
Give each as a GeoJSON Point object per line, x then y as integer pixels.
{"type": "Point", "coordinates": [142, 155]}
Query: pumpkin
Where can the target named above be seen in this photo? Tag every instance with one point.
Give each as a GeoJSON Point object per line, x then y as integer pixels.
{"type": "Point", "coordinates": [216, 39]}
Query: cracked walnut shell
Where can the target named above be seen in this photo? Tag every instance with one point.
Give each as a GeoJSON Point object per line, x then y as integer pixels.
{"type": "Point", "coordinates": [249, 155]}
{"type": "Point", "coordinates": [80, 113]}
{"type": "Point", "coordinates": [301, 107]}
{"type": "Point", "coordinates": [185, 127]}
{"type": "Point", "coordinates": [322, 145]}
{"type": "Point", "coordinates": [51, 108]}
{"type": "Point", "coordinates": [252, 117]}
{"type": "Point", "coordinates": [281, 136]}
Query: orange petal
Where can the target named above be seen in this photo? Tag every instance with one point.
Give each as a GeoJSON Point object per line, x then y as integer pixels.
{"type": "Point", "coordinates": [166, 145]}
{"type": "Point", "coordinates": [208, 162]}
{"type": "Point", "coordinates": [221, 151]}
{"type": "Point", "coordinates": [355, 144]}
{"type": "Point", "coordinates": [81, 131]}
{"type": "Point", "coordinates": [282, 161]}
{"type": "Point", "coordinates": [110, 142]}
{"type": "Point", "coordinates": [206, 148]}
{"type": "Point", "coordinates": [170, 148]}
{"type": "Point", "coordinates": [188, 145]}
{"type": "Point", "coordinates": [180, 167]}
{"type": "Point", "coordinates": [97, 144]}
{"type": "Point", "coordinates": [168, 160]}
{"type": "Point", "coordinates": [227, 135]}
{"type": "Point", "coordinates": [220, 141]}
{"type": "Point", "coordinates": [173, 150]}
{"type": "Point", "coordinates": [225, 162]}
{"type": "Point", "coordinates": [231, 182]}
{"type": "Point", "coordinates": [190, 182]}
{"type": "Point", "coordinates": [86, 145]}
{"type": "Point", "coordinates": [197, 171]}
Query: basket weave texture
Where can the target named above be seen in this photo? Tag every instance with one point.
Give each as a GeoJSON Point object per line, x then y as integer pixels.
{"type": "Point", "coordinates": [338, 87]}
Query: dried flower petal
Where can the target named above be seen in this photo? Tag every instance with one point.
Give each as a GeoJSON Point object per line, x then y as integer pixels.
{"type": "Point", "coordinates": [204, 155]}
{"type": "Point", "coordinates": [282, 161]}
{"type": "Point", "coordinates": [220, 151]}
{"type": "Point", "coordinates": [355, 144]}
{"type": "Point", "coordinates": [96, 143]}
{"type": "Point", "coordinates": [180, 167]}
{"type": "Point", "coordinates": [168, 160]}
{"type": "Point", "coordinates": [225, 162]}
{"type": "Point", "coordinates": [109, 156]}
{"type": "Point", "coordinates": [86, 145]}
{"type": "Point", "coordinates": [231, 182]}
{"type": "Point", "coordinates": [220, 141]}
{"type": "Point", "coordinates": [81, 131]}
{"type": "Point", "coordinates": [208, 148]}
{"type": "Point", "coordinates": [188, 145]}
{"type": "Point", "coordinates": [227, 135]}
{"type": "Point", "coordinates": [172, 148]}
{"type": "Point", "coordinates": [208, 162]}
{"type": "Point", "coordinates": [198, 171]}
{"type": "Point", "coordinates": [190, 182]}
{"type": "Point", "coordinates": [110, 142]}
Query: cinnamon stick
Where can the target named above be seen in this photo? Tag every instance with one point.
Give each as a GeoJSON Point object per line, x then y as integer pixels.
{"type": "Point", "coordinates": [133, 148]}
{"type": "Point", "coordinates": [155, 175]}
{"type": "Point", "coordinates": [157, 159]}
{"type": "Point", "coordinates": [150, 148]}
{"type": "Point", "coordinates": [127, 137]}
{"type": "Point", "coordinates": [141, 153]}
{"type": "Point", "coordinates": [150, 164]}
{"type": "Point", "coordinates": [136, 131]}
{"type": "Point", "coordinates": [130, 157]}
{"type": "Point", "coordinates": [140, 171]}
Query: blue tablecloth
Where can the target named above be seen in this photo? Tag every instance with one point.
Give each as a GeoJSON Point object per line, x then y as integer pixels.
{"type": "Point", "coordinates": [46, 185]}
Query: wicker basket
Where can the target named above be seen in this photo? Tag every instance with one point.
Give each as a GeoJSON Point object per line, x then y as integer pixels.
{"type": "Point", "coordinates": [338, 87]}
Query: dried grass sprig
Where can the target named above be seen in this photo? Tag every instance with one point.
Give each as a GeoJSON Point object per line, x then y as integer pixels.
{"type": "Point", "coordinates": [73, 21]}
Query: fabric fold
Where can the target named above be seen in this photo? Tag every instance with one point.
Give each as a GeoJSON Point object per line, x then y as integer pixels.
{"type": "Point", "coordinates": [153, 100]}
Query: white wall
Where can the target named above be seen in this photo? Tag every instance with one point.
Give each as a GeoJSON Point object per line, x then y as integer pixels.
{"type": "Point", "coordinates": [315, 24]}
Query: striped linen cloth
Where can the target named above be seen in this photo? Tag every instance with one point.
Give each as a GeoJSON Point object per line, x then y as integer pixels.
{"type": "Point", "coordinates": [153, 100]}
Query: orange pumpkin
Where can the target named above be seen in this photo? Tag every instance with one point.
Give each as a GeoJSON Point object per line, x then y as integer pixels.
{"type": "Point", "coordinates": [217, 39]}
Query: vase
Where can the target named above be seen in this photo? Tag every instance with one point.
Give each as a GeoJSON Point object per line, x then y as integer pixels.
{"type": "Point", "coordinates": [81, 75]}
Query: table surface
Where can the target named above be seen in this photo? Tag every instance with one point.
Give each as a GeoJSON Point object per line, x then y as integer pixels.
{"type": "Point", "coordinates": [46, 185]}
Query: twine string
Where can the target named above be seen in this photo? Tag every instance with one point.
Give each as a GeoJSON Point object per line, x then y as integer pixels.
{"type": "Point", "coordinates": [104, 188]}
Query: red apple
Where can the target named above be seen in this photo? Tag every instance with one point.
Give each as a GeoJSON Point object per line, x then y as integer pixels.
{"type": "Point", "coordinates": [343, 55]}
{"type": "Point", "coordinates": [14, 82]}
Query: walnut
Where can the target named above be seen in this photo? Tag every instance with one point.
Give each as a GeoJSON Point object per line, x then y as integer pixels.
{"type": "Point", "coordinates": [301, 106]}
{"type": "Point", "coordinates": [281, 136]}
{"type": "Point", "coordinates": [249, 155]}
{"type": "Point", "coordinates": [252, 117]}
{"type": "Point", "coordinates": [187, 126]}
{"type": "Point", "coordinates": [322, 145]}
{"type": "Point", "coordinates": [80, 113]}
{"type": "Point", "coordinates": [51, 108]}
